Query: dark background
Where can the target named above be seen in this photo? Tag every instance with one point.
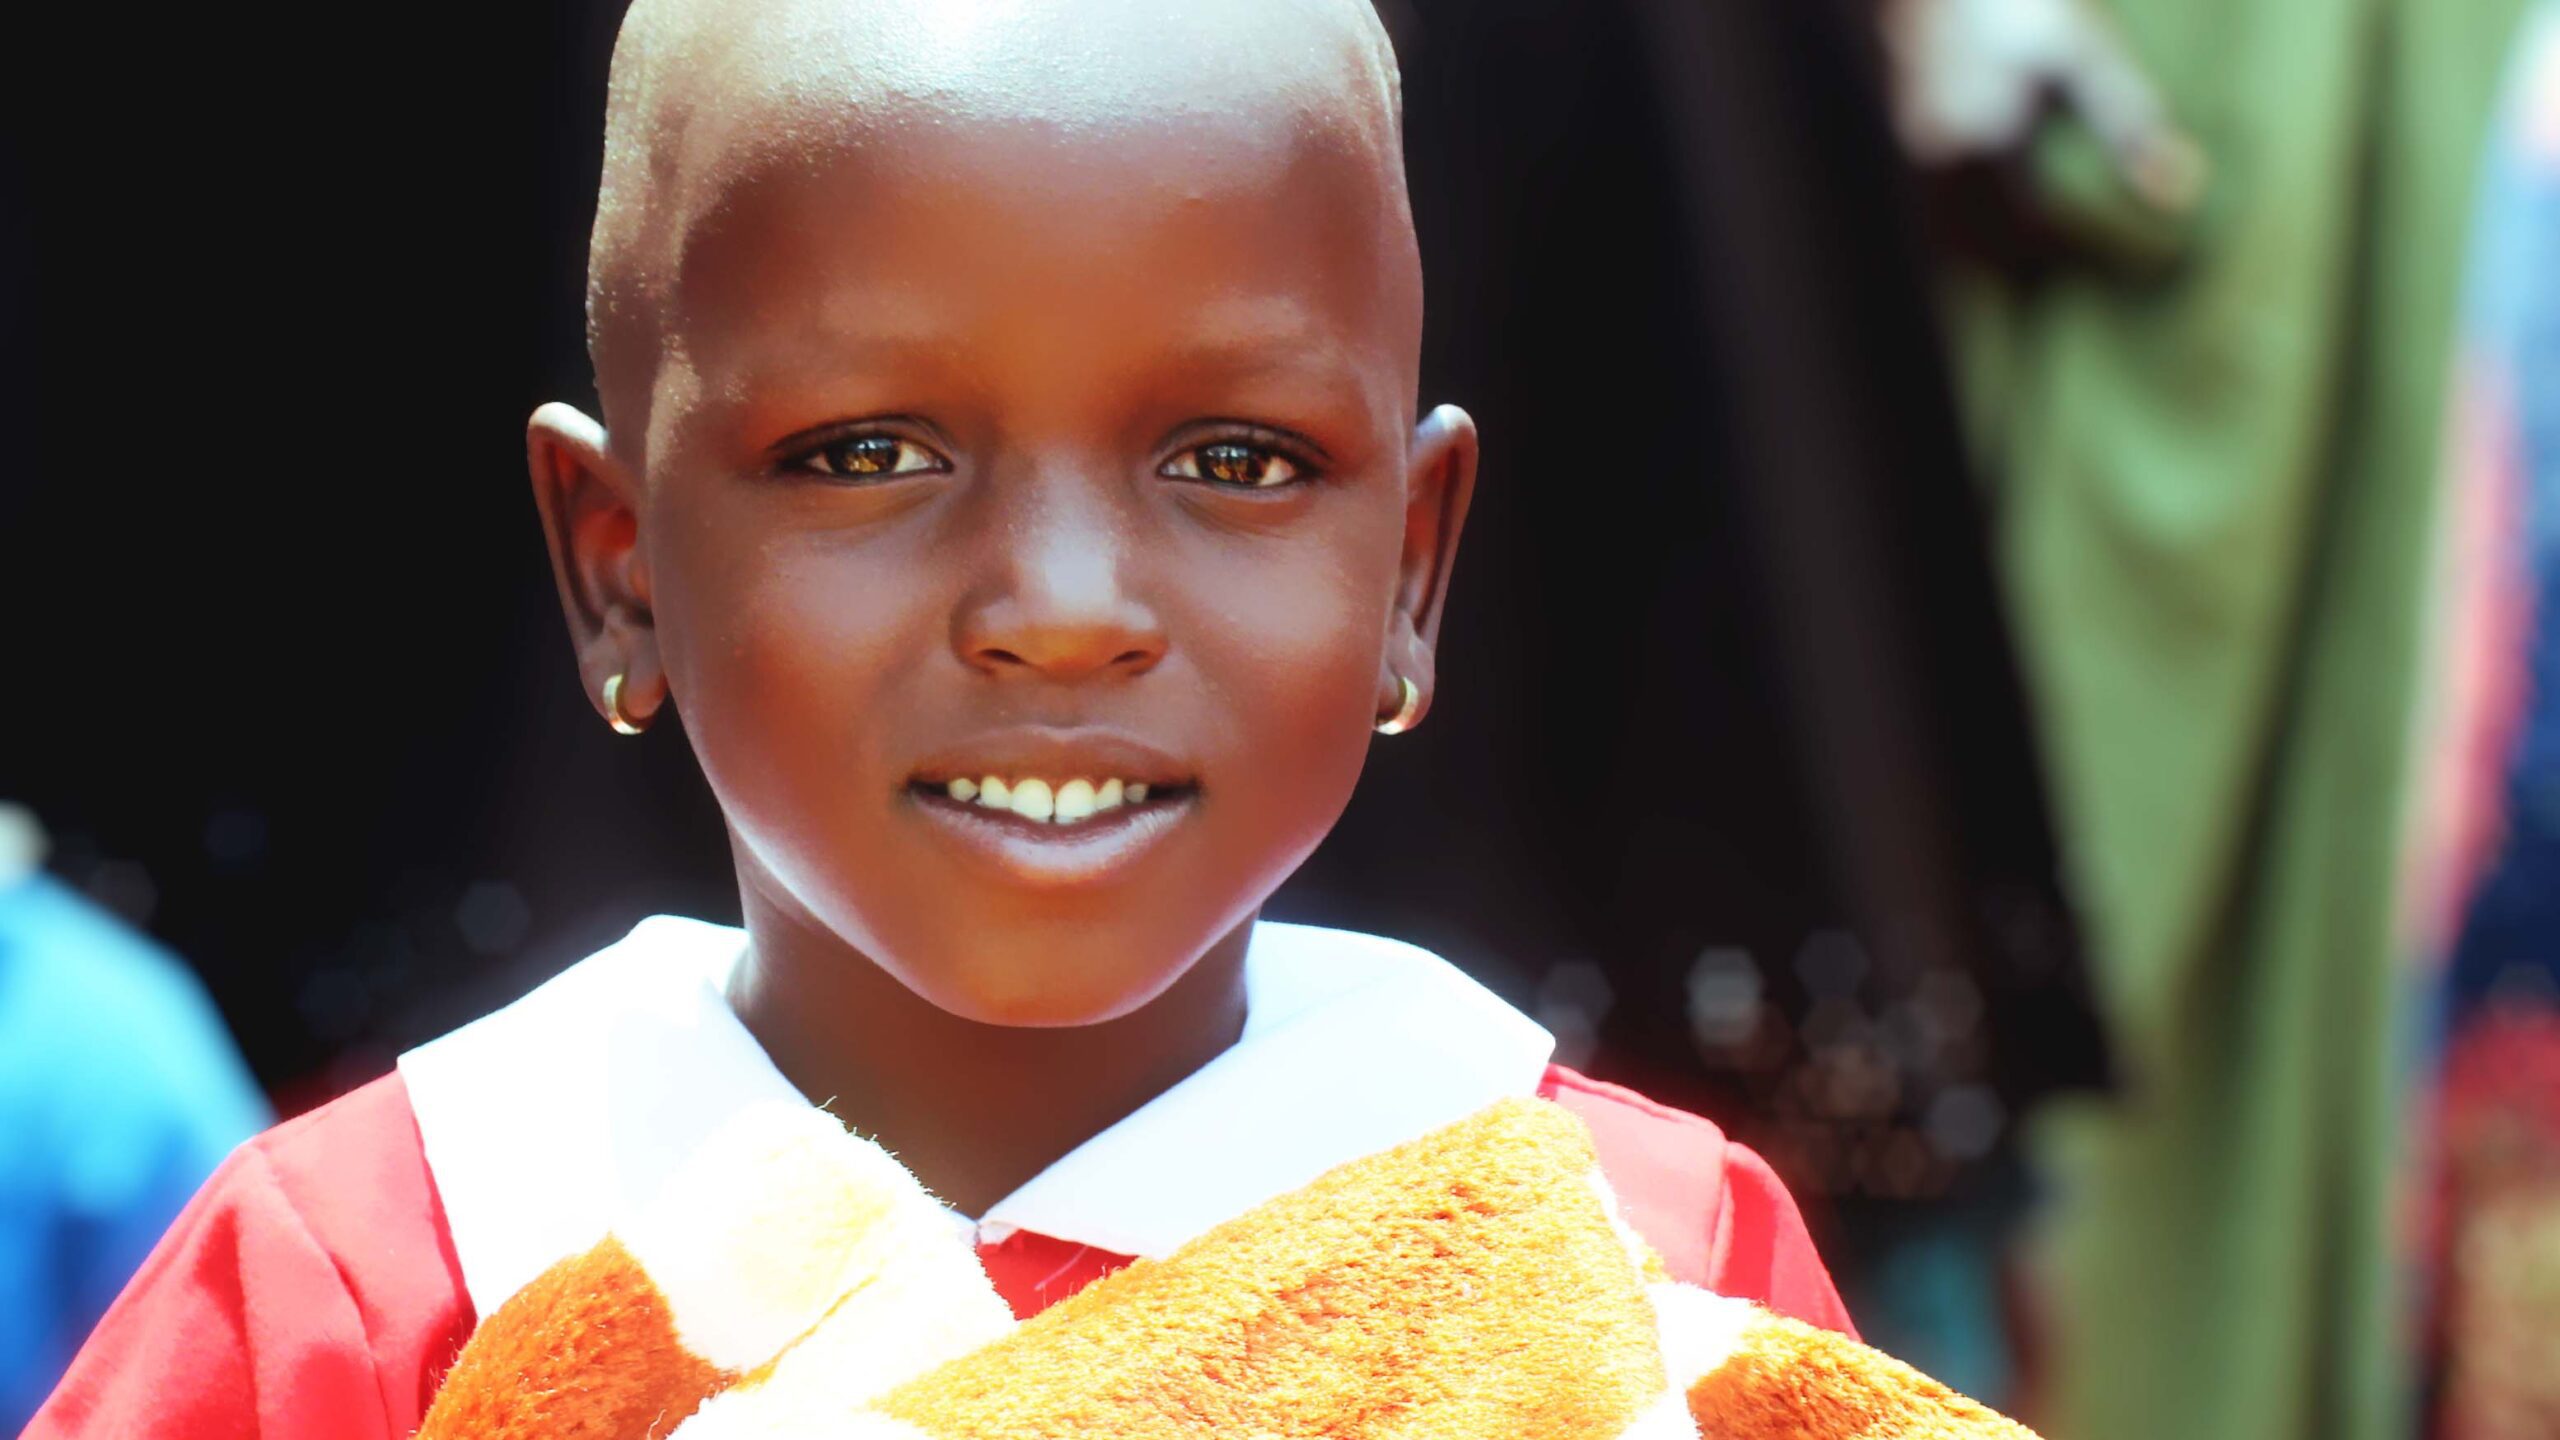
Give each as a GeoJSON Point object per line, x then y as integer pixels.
{"type": "Point", "coordinates": [1728, 780]}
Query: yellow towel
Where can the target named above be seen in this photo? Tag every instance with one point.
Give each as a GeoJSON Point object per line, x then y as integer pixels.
{"type": "Point", "coordinates": [782, 1228]}
{"type": "Point", "coordinates": [1472, 1283]}
{"type": "Point", "coordinates": [1467, 1284]}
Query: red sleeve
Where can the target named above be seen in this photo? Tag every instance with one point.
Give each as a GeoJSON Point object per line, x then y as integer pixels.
{"type": "Point", "coordinates": [308, 1290]}
{"type": "Point", "coordinates": [238, 1325]}
{"type": "Point", "coordinates": [1712, 1209]}
{"type": "Point", "coordinates": [1761, 1248]}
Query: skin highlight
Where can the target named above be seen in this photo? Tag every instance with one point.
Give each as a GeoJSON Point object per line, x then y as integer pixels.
{"type": "Point", "coordinates": [1017, 389]}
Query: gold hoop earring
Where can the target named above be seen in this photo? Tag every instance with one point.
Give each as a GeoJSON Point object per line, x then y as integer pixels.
{"type": "Point", "coordinates": [1407, 713]}
{"type": "Point", "coordinates": [613, 715]}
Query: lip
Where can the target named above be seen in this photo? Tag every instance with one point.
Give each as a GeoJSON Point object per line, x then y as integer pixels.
{"type": "Point", "coordinates": [1055, 756]}
{"type": "Point", "coordinates": [1047, 856]}
{"type": "Point", "coordinates": [1038, 854]}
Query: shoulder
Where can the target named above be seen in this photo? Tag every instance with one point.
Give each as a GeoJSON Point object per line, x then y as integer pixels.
{"type": "Point", "coordinates": [1709, 1206]}
{"type": "Point", "coordinates": [355, 1176]}
{"type": "Point", "coordinates": [1667, 1167]}
{"type": "Point", "coordinates": [353, 1161]}
{"type": "Point", "coordinates": [306, 1290]}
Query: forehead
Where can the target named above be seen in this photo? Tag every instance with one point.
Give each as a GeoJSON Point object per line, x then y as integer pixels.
{"type": "Point", "coordinates": [1057, 250]}
{"type": "Point", "coordinates": [887, 155]}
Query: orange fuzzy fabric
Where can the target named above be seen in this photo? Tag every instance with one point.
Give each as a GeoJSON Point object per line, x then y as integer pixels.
{"type": "Point", "coordinates": [587, 1351]}
{"type": "Point", "coordinates": [1467, 1284]}
{"type": "Point", "coordinates": [1791, 1380]}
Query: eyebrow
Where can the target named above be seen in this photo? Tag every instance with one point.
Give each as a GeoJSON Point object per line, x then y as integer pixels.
{"type": "Point", "coordinates": [1262, 339]}
{"type": "Point", "coordinates": [870, 344]}
{"type": "Point", "coordinates": [1250, 326]}
{"type": "Point", "coordinates": [1298, 351]}
{"type": "Point", "coordinates": [765, 375]}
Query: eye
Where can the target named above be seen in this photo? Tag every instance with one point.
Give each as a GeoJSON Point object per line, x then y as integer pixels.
{"type": "Point", "coordinates": [873, 456]}
{"type": "Point", "coordinates": [1236, 463]}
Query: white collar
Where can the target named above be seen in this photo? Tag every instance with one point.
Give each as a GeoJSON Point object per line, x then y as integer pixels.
{"type": "Point", "coordinates": [547, 1122]}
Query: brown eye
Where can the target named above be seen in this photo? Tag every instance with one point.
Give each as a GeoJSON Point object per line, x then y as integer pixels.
{"type": "Point", "coordinates": [870, 457]}
{"type": "Point", "coordinates": [1233, 462]}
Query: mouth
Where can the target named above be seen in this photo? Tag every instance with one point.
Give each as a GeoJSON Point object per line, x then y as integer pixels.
{"type": "Point", "coordinates": [1055, 829]}
{"type": "Point", "coordinates": [1077, 803]}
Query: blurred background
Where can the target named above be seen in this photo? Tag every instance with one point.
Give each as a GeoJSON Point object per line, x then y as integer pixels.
{"type": "Point", "coordinates": [1996, 654]}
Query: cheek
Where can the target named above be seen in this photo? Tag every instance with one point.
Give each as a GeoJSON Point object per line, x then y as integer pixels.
{"type": "Point", "coordinates": [776, 646]}
{"type": "Point", "coordinates": [1294, 662]}
{"type": "Point", "coordinates": [1311, 652]}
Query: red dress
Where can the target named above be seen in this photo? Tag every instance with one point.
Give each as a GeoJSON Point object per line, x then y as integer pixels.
{"type": "Point", "coordinates": [311, 1288]}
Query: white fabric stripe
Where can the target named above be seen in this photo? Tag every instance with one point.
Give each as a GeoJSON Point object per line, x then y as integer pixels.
{"type": "Point", "coordinates": [1397, 1044]}
{"type": "Point", "coordinates": [548, 1120]}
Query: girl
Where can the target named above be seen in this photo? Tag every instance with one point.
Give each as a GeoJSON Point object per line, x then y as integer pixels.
{"type": "Point", "coordinates": [1009, 464]}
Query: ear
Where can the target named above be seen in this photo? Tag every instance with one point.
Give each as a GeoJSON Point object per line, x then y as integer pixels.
{"type": "Point", "coordinates": [591, 520]}
{"type": "Point", "coordinates": [1440, 480]}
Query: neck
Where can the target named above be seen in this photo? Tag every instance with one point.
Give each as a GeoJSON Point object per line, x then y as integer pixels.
{"type": "Point", "coordinates": [974, 1110]}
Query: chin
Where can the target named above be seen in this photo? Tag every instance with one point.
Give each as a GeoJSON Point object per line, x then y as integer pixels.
{"type": "Point", "coordinates": [1031, 1012]}
{"type": "Point", "coordinates": [1060, 990]}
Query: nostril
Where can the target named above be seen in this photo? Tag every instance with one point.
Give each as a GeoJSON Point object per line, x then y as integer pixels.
{"type": "Point", "coordinates": [1132, 657]}
{"type": "Point", "coordinates": [1005, 657]}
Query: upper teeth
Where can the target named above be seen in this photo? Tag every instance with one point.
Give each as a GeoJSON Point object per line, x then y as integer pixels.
{"type": "Point", "coordinates": [1063, 804]}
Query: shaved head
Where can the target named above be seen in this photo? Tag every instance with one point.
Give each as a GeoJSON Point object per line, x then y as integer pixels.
{"type": "Point", "coordinates": [706, 96]}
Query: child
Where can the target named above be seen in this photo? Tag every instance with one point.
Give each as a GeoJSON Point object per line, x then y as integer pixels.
{"type": "Point", "coordinates": [1009, 464]}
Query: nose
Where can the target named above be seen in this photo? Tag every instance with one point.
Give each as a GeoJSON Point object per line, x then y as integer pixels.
{"type": "Point", "coordinates": [1059, 603]}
